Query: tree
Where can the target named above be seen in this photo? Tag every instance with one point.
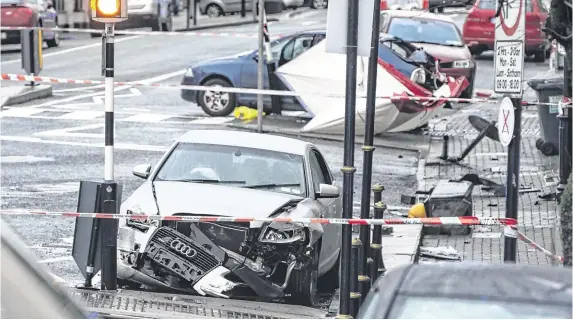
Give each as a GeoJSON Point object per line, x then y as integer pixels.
{"type": "Point", "coordinates": [566, 224]}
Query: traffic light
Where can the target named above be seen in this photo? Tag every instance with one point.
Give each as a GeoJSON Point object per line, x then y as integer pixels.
{"type": "Point", "coordinates": [109, 11]}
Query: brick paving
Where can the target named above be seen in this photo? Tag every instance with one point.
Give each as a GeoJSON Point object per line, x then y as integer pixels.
{"type": "Point", "coordinates": [538, 218]}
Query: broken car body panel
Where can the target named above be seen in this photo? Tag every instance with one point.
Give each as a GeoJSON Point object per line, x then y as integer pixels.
{"type": "Point", "coordinates": [328, 75]}
{"type": "Point", "coordinates": [217, 258]}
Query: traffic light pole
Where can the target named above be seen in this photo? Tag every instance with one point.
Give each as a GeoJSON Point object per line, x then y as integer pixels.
{"type": "Point", "coordinates": [109, 227]}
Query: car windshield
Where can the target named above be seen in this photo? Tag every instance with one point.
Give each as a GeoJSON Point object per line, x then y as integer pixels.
{"type": "Point", "coordinates": [425, 31]}
{"type": "Point", "coordinates": [416, 307]}
{"type": "Point", "coordinates": [491, 5]}
{"type": "Point", "coordinates": [235, 166]}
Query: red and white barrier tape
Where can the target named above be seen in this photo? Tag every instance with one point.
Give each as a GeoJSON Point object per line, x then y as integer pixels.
{"type": "Point", "coordinates": [146, 33]}
{"type": "Point", "coordinates": [466, 221]}
{"type": "Point", "coordinates": [539, 248]}
{"type": "Point", "coordinates": [27, 78]}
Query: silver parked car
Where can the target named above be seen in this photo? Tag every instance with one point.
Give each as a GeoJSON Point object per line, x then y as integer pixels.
{"type": "Point", "coordinates": [216, 8]}
{"type": "Point", "coordinates": [233, 174]}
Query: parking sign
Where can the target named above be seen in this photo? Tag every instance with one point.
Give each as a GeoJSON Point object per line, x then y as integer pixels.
{"type": "Point", "coordinates": [509, 47]}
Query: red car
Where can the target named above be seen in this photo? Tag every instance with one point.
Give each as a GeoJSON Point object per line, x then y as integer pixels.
{"type": "Point", "coordinates": [479, 28]}
{"type": "Point", "coordinates": [28, 13]}
{"type": "Point", "coordinates": [438, 35]}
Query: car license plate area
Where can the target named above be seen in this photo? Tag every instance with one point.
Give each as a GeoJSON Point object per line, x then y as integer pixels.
{"type": "Point", "coordinates": [175, 264]}
{"type": "Point", "coordinates": [4, 36]}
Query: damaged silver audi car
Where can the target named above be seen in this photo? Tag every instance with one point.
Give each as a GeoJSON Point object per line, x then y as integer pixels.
{"type": "Point", "coordinates": [222, 173]}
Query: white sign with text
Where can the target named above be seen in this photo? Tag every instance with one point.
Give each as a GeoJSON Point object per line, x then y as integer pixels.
{"type": "Point", "coordinates": [509, 47]}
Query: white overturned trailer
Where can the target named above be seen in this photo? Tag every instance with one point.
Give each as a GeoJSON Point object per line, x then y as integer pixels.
{"type": "Point", "coordinates": [315, 70]}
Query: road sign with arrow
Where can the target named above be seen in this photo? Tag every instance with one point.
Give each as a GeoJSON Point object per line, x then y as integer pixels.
{"type": "Point", "coordinates": [509, 46]}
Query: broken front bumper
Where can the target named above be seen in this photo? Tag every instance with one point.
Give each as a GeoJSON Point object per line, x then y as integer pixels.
{"type": "Point", "coordinates": [199, 264]}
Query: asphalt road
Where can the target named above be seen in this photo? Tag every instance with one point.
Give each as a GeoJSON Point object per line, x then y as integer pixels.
{"type": "Point", "coordinates": [48, 146]}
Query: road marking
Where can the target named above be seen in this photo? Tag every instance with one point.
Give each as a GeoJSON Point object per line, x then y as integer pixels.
{"type": "Point", "coordinates": [165, 76]}
{"type": "Point", "coordinates": [82, 115]}
{"type": "Point", "coordinates": [118, 146]}
{"type": "Point", "coordinates": [24, 159]}
{"type": "Point", "coordinates": [78, 97]}
{"type": "Point", "coordinates": [134, 93]}
{"type": "Point", "coordinates": [87, 46]}
{"type": "Point", "coordinates": [20, 112]}
{"type": "Point", "coordinates": [57, 259]}
{"type": "Point", "coordinates": [148, 117]}
{"type": "Point", "coordinates": [79, 89]}
{"type": "Point", "coordinates": [214, 120]}
{"type": "Point", "coordinates": [72, 132]}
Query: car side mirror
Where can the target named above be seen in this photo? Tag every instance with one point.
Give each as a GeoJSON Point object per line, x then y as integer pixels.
{"type": "Point", "coordinates": [142, 171]}
{"type": "Point", "coordinates": [328, 191]}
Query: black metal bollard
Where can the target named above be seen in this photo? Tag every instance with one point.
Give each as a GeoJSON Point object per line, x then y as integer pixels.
{"type": "Point", "coordinates": [444, 155]}
{"type": "Point", "coordinates": [355, 296]}
{"type": "Point", "coordinates": [375, 246]}
{"type": "Point", "coordinates": [380, 269]}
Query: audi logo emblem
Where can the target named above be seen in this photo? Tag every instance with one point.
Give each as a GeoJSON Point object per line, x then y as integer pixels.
{"type": "Point", "coordinates": [183, 249]}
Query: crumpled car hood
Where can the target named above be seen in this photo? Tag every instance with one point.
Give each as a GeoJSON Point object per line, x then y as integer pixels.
{"type": "Point", "coordinates": [209, 199]}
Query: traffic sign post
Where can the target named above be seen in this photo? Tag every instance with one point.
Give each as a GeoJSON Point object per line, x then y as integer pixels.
{"type": "Point", "coordinates": [508, 80]}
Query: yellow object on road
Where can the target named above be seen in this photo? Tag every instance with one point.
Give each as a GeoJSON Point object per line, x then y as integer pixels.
{"type": "Point", "coordinates": [417, 211]}
{"type": "Point", "coordinates": [245, 113]}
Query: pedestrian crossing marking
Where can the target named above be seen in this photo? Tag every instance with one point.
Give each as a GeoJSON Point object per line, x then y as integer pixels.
{"type": "Point", "coordinates": [81, 115]}
{"type": "Point", "coordinates": [148, 117]}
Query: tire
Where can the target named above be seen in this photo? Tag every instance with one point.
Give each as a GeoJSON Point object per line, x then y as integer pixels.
{"type": "Point", "coordinates": [539, 56]}
{"type": "Point", "coordinates": [303, 283]}
{"type": "Point", "coordinates": [441, 9]}
{"type": "Point", "coordinates": [203, 98]}
{"type": "Point", "coordinates": [330, 281]}
{"type": "Point", "coordinates": [214, 10]}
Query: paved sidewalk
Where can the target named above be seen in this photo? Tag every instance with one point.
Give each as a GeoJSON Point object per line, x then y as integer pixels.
{"type": "Point", "coordinates": [538, 219]}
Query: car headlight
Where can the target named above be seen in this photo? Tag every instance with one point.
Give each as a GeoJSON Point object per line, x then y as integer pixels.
{"type": "Point", "coordinates": [282, 235]}
{"type": "Point", "coordinates": [462, 64]}
{"type": "Point", "coordinates": [189, 72]}
{"type": "Point", "coordinates": [418, 76]}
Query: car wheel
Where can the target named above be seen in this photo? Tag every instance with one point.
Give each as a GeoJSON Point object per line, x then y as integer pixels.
{"type": "Point", "coordinates": [303, 283]}
{"type": "Point", "coordinates": [216, 103]}
{"type": "Point", "coordinates": [441, 9]}
{"type": "Point", "coordinates": [539, 56]}
{"type": "Point", "coordinates": [214, 10]}
{"type": "Point", "coordinates": [156, 25]}
{"type": "Point", "coordinates": [330, 281]}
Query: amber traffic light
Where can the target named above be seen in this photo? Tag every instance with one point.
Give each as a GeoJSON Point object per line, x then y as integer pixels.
{"type": "Point", "coordinates": [109, 11]}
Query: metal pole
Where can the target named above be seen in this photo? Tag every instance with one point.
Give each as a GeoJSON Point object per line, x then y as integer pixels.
{"type": "Point", "coordinates": [194, 12]}
{"type": "Point", "coordinates": [354, 263]}
{"type": "Point", "coordinates": [348, 168]}
{"type": "Point", "coordinates": [109, 227]}
{"type": "Point", "coordinates": [275, 100]}
{"type": "Point", "coordinates": [512, 185]}
{"type": "Point", "coordinates": [254, 6]}
{"type": "Point", "coordinates": [368, 147]}
{"type": "Point", "coordinates": [565, 127]}
{"type": "Point", "coordinates": [243, 8]}
{"type": "Point", "coordinates": [188, 2]}
{"type": "Point", "coordinates": [260, 67]}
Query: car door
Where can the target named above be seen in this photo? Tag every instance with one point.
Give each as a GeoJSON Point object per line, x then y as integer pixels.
{"type": "Point", "coordinates": [249, 70]}
{"type": "Point", "coordinates": [331, 239]}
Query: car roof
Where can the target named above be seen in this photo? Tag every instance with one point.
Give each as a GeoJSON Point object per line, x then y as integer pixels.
{"type": "Point", "coordinates": [494, 281]}
{"type": "Point", "coordinates": [246, 140]}
{"type": "Point", "coordinates": [418, 14]}
{"type": "Point", "coordinates": [383, 36]}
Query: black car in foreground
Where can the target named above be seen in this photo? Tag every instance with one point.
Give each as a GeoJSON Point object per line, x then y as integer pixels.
{"type": "Point", "coordinates": [466, 290]}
